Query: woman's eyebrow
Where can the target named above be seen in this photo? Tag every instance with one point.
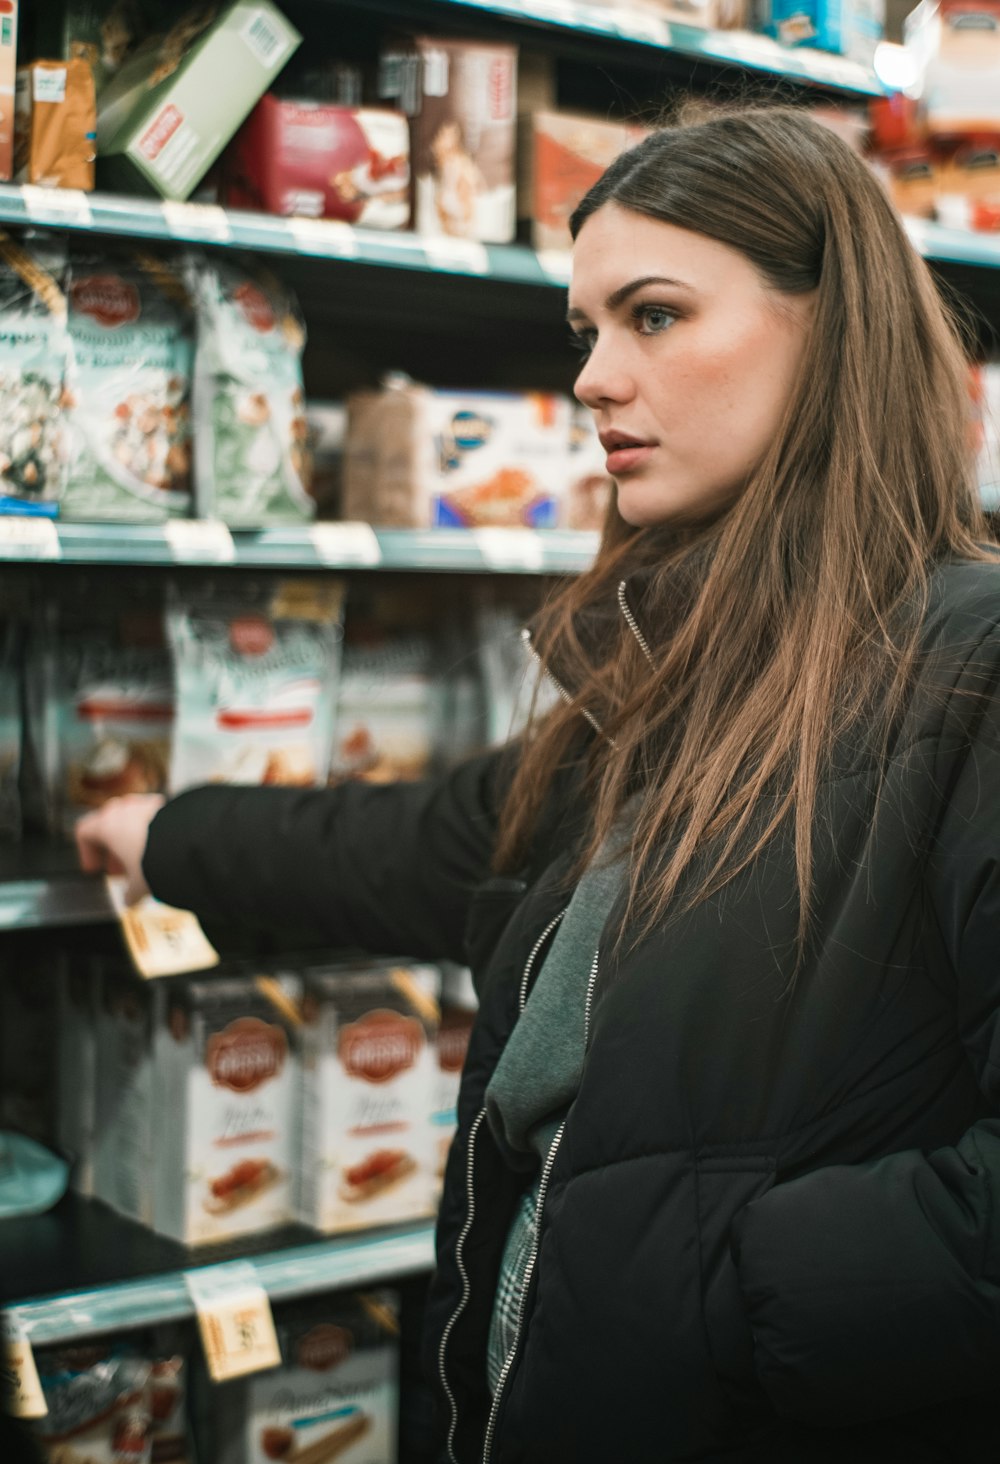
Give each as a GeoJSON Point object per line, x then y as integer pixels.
{"type": "Point", "coordinates": [619, 296]}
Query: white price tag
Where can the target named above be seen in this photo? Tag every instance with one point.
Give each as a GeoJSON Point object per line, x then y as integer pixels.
{"type": "Point", "coordinates": [324, 236]}
{"type": "Point", "coordinates": [56, 205]}
{"type": "Point", "coordinates": [28, 537]}
{"type": "Point", "coordinates": [161, 941]}
{"type": "Point", "coordinates": [25, 1398]}
{"type": "Point", "coordinates": [197, 220]}
{"type": "Point", "coordinates": [563, 11]}
{"type": "Point", "coordinates": [557, 264]}
{"type": "Point", "coordinates": [510, 548]}
{"type": "Point", "coordinates": [464, 255]}
{"type": "Point", "coordinates": [199, 541]}
{"type": "Point", "coordinates": [636, 25]}
{"type": "Point", "coordinates": [344, 544]}
{"type": "Point", "coordinates": [234, 1319]}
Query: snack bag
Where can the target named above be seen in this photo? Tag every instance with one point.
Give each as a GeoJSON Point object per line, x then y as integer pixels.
{"type": "Point", "coordinates": [34, 352]}
{"type": "Point", "coordinates": [98, 1404]}
{"type": "Point", "coordinates": [256, 685]}
{"type": "Point", "coordinates": [251, 463]}
{"type": "Point", "coordinates": [55, 125]}
{"type": "Point", "coordinates": [385, 710]}
{"type": "Point", "coordinates": [130, 416]}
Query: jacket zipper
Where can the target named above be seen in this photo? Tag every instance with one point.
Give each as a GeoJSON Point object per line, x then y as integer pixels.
{"type": "Point", "coordinates": [632, 623]}
{"type": "Point", "coordinates": [587, 716]}
{"type": "Point", "coordinates": [529, 1269]}
{"type": "Point", "coordinates": [523, 993]}
{"type": "Point", "coordinates": [466, 1287]}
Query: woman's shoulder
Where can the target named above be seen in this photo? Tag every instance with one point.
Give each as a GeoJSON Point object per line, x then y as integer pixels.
{"type": "Point", "coordinates": [964, 602]}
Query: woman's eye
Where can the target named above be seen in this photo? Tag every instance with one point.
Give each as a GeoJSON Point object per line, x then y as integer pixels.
{"type": "Point", "coordinates": [653, 319]}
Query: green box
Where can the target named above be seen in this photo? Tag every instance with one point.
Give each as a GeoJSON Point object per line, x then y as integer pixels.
{"type": "Point", "coordinates": [167, 115]}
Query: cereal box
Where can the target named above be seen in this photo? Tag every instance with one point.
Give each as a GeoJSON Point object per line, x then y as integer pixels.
{"type": "Point", "coordinates": [227, 1086]}
{"type": "Point", "coordinates": [368, 1081]}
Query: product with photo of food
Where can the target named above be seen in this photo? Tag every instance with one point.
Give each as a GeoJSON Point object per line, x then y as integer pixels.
{"type": "Point", "coordinates": [98, 1400]}
{"type": "Point", "coordinates": [34, 357]}
{"type": "Point", "coordinates": [385, 709]}
{"type": "Point", "coordinates": [560, 157]}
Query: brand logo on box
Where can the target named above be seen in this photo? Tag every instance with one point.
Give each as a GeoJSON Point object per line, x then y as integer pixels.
{"type": "Point", "coordinates": [453, 1044]}
{"type": "Point", "coordinates": [256, 307]}
{"type": "Point", "coordinates": [251, 635]}
{"type": "Point", "coordinates": [160, 131]}
{"type": "Point", "coordinates": [108, 299]}
{"type": "Point", "coordinates": [245, 1054]}
{"type": "Point", "coordinates": [380, 1046]}
{"type": "Point", "coordinates": [500, 89]}
{"type": "Point", "coordinates": [324, 1348]}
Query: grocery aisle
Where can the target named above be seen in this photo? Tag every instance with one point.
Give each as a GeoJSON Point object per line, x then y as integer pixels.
{"type": "Point", "coordinates": [288, 455]}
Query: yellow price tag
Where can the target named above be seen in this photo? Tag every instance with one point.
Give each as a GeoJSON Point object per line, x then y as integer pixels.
{"type": "Point", "coordinates": [162, 941]}
{"type": "Point", "coordinates": [234, 1319]}
{"type": "Point", "coordinates": [25, 1398]}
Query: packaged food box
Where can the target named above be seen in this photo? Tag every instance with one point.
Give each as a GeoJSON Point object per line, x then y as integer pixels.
{"type": "Point", "coordinates": [560, 157]}
{"type": "Point", "coordinates": [250, 427]}
{"type": "Point", "coordinates": [8, 84]}
{"type": "Point", "coordinates": [76, 1047]}
{"type": "Point", "coordinates": [417, 457]}
{"type": "Point", "coordinates": [126, 1130]}
{"type": "Point", "coordinates": [34, 359]}
{"type": "Point", "coordinates": [227, 1092]}
{"type": "Point", "coordinates": [385, 709]}
{"type": "Point", "coordinates": [461, 97]}
{"type": "Point", "coordinates": [103, 33]}
{"type": "Point", "coordinates": [851, 28]}
{"type": "Point", "coordinates": [323, 162]}
{"type": "Point", "coordinates": [458, 1015]}
{"type": "Point", "coordinates": [55, 125]}
{"type": "Point", "coordinates": [165, 118]}
{"type": "Point", "coordinates": [336, 1393]}
{"type": "Point", "coordinates": [256, 685]}
{"type": "Point", "coordinates": [368, 1086]}
{"type": "Point", "coordinates": [99, 1404]}
{"type": "Point", "coordinates": [128, 416]}
{"type": "Point", "coordinates": [956, 47]}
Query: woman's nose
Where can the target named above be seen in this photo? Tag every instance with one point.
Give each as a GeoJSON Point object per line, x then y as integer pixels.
{"type": "Point", "coordinates": [604, 378]}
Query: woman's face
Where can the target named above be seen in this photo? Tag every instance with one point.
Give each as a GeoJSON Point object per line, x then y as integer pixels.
{"type": "Point", "coordinates": [691, 360]}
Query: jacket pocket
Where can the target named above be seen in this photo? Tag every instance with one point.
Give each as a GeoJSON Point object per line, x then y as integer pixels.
{"type": "Point", "coordinates": [490, 908]}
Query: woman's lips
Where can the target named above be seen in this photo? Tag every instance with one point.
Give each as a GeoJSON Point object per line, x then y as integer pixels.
{"type": "Point", "coordinates": [628, 457]}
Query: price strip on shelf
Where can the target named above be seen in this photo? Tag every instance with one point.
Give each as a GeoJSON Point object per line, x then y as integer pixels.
{"type": "Point", "coordinates": [199, 541]}
{"type": "Point", "coordinates": [197, 221]}
{"type": "Point", "coordinates": [636, 25]}
{"type": "Point", "coordinates": [234, 1319]}
{"type": "Point", "coordinates": [24, 536]}
{"type": "Point", "coordinates": [25, 1398]}
{"type": "Point", "coordinates": [162, 941]}
{"type": "Point", "coordinates": [346, 544]}
{"type": "Point", "coordinates": [557, 264]}
{"type": "Point", "coordinates": [565, 12]}
{"type": "Point", "coordinates": [464, 256]}
{"type": "Point", "coordinates": [510, 548]}
{"type": "Point", "coordinates": [56, 205]}
{"type": "Point", "coordinates": [324, 236]}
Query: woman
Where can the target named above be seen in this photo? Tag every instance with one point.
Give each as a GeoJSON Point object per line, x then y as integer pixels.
{"type": "Point", "coordinates": [724, 1181]}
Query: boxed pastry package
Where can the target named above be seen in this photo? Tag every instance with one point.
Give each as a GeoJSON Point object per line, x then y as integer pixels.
{"type": "Point", "coordinates": [55, 125]}
{"type": "Point", "coordinates": [323, 162]}
{"type": "Point", "coordinates": [177, 100]}
{"type": "Point", "coordinates": [104, 33]}
{"type": "Point", "coordinates": [461, 97]}
{"type": "Point", "coordinates": [956, 47]}
{"type": "Point", "coordinates": [458, 1014]}
{"type": "Point", "coordinates": [560, 157]}
{"type": "Point", "coordinates": [256, 684]}
{"type": "Point", "coordinates": [128, 417]}
{"type": "Point", "coordinates": [250, 428]}
{"type": "Point", "coordinates": [851, 28]}
{"type": "Point", "coordinates": [76, 1047]}
{"type": "Point", "coordinates": [8, 83]}
{"type": "Point", "coordinates": [368, 1084]}
{"type": "Point", "coordinates": [385, 709]}
{"type": "Point", "coordinates": [128, 1117]}
{"type": "Point", "coordinates": [227, 1093]}
{"type": "Point", "coordinates": [336, 1393]}
{"type": "Point", "coordinates": [417, 457]}
{"type": "Point", "coordinates": [34, 359]}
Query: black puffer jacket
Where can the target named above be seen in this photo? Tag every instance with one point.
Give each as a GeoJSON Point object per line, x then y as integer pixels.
{"type": "Point", "coordinates": [770, 1226]}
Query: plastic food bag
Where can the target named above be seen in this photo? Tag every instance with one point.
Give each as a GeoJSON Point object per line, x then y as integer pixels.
{"type": "Point", "coordinates": [98, 1397]}
{"type": "Point", "coordinates": [129, 328]}
{"type": "Point", "coordinates": [251, 452]}
{"type": "Point", "coordinates": [256, 685]}
{"type": "Point", "coordinates": [34, 352]}
{"type": "Point", "coordinates": [385, 710]}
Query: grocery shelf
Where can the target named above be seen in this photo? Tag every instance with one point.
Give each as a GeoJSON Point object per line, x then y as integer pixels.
{"type": "Point", "coordinates": [81, 1269]}
{"type": "Point", "coordinates": [311, 546]}
{"type": "Point", "coordinates": [953, 246]}
{"type": "Point", "coordinates": [41, 887]}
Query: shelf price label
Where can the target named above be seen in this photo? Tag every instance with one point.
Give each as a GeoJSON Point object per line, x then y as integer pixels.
{"type": "Point", "coordinates": [161, 941]}
{"type": "Point", "coordinates": [234, 1319]}
{"type": "Point", "coordinates": [28, 537]}
{"type": "Point", "coordinates": [24, 1396]}
{"type": "Point", "coordinates": [510, 548]}
{"type": "Point", "coordinates": [199, 541]}
{"type": "Point", "coordinates": [323, 236]}
{"type": "Point", "coordinates": [464, 256]}
{"type": "Point", "coordinates": [56, 205]}
{"type": "Point", "coordinates": [346, 544]}
{"type": "Point", "coordinates": [197, 221]}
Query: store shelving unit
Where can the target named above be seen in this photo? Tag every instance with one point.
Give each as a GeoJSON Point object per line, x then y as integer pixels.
{"type": "Point", "coordinates": [80, 1269]}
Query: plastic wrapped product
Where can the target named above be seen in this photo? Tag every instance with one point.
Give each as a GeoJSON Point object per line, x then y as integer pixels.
{"type": "Point", "coordinates": [251, 463]}
{"type": "Point", "coordinates": [129, 418]}
{"type": "Point", "coordinates": [56, 125]}
{"type": "Point", "coordinates": [98, 1399]}
{"type": "Point", "coordinates": [385, 710]}
{"type": "Point", "coordinates": [34, 353]}
{"type": "Point", "coordinates": [256, 685]}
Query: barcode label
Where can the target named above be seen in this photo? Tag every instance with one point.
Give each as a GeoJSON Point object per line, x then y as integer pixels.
{"type": "Point", "coordinates": [266, 42]}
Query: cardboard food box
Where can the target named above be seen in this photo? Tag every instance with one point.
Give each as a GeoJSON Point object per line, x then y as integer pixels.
{"type": "Point", "coordinates": [956, 44]}
{"type": "Point", "coordinates": [335, 1394]}
{"type": "Point", "coordinates": [8, 79]}
{"type": "Point", "coordinates": [418, 458]}
{"type": "Point", "coordinates": [461, 97]}
{"type": "Point", "coordinates": [323, 162]}
{"type": "Point", "coordinates": [175, 103]}
{"type": "Point", "coordinates": [55, 125]}
{"type": "Point", "coordinates": [227, 1092]}
{"type": "Point", "coordinates": [851, 28]}
{"type": "Point", "coordinates": [458, 1014]}
{"type": "Point", "coordinates": [368, 1079]}
{"type": "Point", "coordinates": [561, 156]}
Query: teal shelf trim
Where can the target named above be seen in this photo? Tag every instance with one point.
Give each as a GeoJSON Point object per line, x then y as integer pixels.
{"type": "Point", "coordinates": [46, 903]}
{"type": "Point", "coordinates": [326, 1265]}
{"type": "Point", "coordinates": [954, 246]}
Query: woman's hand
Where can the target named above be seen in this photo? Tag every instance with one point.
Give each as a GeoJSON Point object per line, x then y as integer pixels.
{"type": "Point", "coordinates": [112, 840]}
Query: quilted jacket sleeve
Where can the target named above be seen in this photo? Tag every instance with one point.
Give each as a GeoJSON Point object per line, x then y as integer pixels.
{"type": "Point", "coordinates": [874, 1289]}
{"type": "Point", "coordinates": [387, 869]}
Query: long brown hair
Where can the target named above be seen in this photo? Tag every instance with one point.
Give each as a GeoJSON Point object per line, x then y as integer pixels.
{"type": "Point", "coordinates": [759, 639]}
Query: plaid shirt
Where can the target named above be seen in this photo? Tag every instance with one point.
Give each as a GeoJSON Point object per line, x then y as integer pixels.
{"type": "Point", "coordinates": [510, 1286]}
